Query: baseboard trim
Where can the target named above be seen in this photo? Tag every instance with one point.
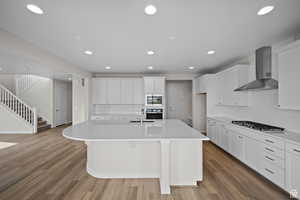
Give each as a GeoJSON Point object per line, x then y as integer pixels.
{"type": "Point", "coordinates": [16, 132]}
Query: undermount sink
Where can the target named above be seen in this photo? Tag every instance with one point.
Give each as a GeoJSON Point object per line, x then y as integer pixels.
{"type": "Point", "coordinates": [139, 121]}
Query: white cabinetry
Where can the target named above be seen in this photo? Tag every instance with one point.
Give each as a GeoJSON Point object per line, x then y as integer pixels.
{"type": "Point", "coordinates": [154, 85]}
{"type": "Point", "coordinates": [127, 91]}
{"type": "Point", "coordinates": [292, 164]}
{"type": "Point", "coordinates": [253, 153]}
{"type": "Point", "coordinates": [99, 91]}
{"type": "Point", "coordinates": [237, 145]}
{"type": "Point", "coordinates": [114, 91]}
{"type": "Point", "coordinates": [289, 73]}
{"type": "Point", "coordinates": [120, 91]}
{"type": "Point", "coordinates": [203, 82]}
{"type": "Point", "coordinates": [270, 156]}
{"type": "Point", "coordinates": [224, 135]}
{"type": "Point", "coordinates": [138, 89]}
{"type": "Point", "coordinates": [227, 81]}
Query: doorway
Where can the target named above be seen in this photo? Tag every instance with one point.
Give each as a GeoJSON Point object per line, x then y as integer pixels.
{"type": "Point", "coordinates": [179, 100]}
{"type": "Point", "coordinates": [62, 102]}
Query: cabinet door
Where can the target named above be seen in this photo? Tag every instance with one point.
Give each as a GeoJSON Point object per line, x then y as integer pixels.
{"type": "Point", "coordinates": [99, 91]}
{"type": "Point", "coordinates": [216, 132]}
{"type": "Point", "coordinates": [159, 85]}
{"type": "Point", "coordinates": [138, 88]}
{"type": "Point", "coordinates": [292, 171]}
{"type": "Point", "coordinates": [237, 145]}
{"type": "Point", "coordinates": [210, 129]}
{"type": "Point", "coordinates": [253, 153]}
{"type": "Point", "coordinates": [149, 85]}
{"type": "Point", "coordinates": [219, 89]}
{"type": "Point", "coordinates": [127, 91]}
{"type": "Point", "coordinates": [289, 81]}
{"type": "Point", "coordinates": [113, 91]}
{"type": "Point", "coordinates": [224, 138]}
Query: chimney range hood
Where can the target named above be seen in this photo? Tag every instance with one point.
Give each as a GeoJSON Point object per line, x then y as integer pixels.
{"type": "Point", "coordinates": [264, 81]}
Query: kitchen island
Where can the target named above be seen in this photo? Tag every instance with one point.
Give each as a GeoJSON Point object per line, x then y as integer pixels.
{"type": "Point", "coordinates": [165, 149]}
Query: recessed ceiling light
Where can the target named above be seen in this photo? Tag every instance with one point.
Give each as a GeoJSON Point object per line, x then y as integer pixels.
{"type": "Point", "coordinates": [191, 67]}
{"type": "Point", "coordinates": [88, 52]}
{"type": "Point", "coordinates": [211, 52]}
{"type": "Point", "coordinates": [35, 9]}
{"type": "Point", "coordinates": [172, 38]}
{"type": "Point", "coordinates": [150, 52]}
{"type": "Point", "coordinates": [69, 78]}
{"type": "Point", "coordinates": [265, 10]}
{"type": "Point", "coordinates": [150, 10]}
{"type": "Point", "coordinates": [150, 67]}
{"type": "Point", "coordinates": [1, 69]}
{"type": "Point", "coordinates": [107, 67]}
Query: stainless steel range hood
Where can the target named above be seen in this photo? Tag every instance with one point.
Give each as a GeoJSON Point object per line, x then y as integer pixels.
{"type": "Point", "coordinates": [264, 81]}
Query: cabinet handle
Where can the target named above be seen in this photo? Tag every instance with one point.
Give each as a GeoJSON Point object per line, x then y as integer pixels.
{"type": "Point", "coordinates": [296, 150]}
{"type": "Point", "coordinates": [269, 158]}
{"type": "Point", "coordinates": [269, 171]}
{"type": "Point", "coordinates": [269, 149]}
{"type": "Point", "coordinates": [270, 141]}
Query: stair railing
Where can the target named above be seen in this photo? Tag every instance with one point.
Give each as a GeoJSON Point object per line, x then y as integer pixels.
{"type": "Point", "coordinates": [17, 106]}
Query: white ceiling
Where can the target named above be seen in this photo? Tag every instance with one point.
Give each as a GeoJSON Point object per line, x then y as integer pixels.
{"type": "Point", "coordinates": [119, 33]}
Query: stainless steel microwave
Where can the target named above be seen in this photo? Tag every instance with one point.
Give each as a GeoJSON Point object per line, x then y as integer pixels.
{"type": "Point", "coordinates": [154, 100]}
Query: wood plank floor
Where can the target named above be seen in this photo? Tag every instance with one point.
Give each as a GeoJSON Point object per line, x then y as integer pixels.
{"type": "Point", "coordinates": [47, 166]}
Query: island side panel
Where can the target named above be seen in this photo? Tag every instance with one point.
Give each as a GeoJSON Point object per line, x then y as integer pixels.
{"type": "Point", "coordinates": [186, 162]}
{"type": "Point", "coordinates": [123, 159]}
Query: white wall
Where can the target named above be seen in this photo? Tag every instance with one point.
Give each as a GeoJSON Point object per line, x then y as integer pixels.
{"type": "Point", "coordinates": [263, 105]}
{"type": "Point", "coordinates": [40, 96]}
{"type": "Point", "coordinates": [8, 81]}
{"type": "Point", "coordinates": [179, 99]}
{"type": "Point", "coordinates": [17, 54]}
{"type": "Point", "coordinates": [11, 123]}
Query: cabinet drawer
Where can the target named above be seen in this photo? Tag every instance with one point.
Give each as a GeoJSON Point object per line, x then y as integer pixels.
{"type": "Point", "coordinates": [273, 141]}
{"type": "Point", "coordinates": [293, 148]}
{"type": "Point", "coordinates": [273, 173]}
{"type": "Point", "coordinates": [273, 160]}
{"type": "Point", "coordinates": [273, 150]}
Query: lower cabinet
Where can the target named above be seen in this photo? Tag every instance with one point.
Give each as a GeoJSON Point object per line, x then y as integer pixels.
{"type": "Point", "coordinates": [292, 164]}
{"type": "Point", "coordinates": [253, 153]}
{"type": "Point", "coordinates": [224, 136]}
{"type": "Point", "coordinates": [237, 145]}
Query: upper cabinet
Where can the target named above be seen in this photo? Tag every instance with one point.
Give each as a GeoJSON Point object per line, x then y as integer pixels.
{"type": "Point", "coordinates": [203, 82]}
{"type": "Point", "coordinates": [117, 91]}
{"type": "Point", "coordinates": [289, 73]}
{"type": "Point", "coordinates": [227, 81]}
{"type": "Point", "coordinates": [154, 85]}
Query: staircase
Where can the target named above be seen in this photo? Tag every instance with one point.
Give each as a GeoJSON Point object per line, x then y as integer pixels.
{"type": "Point", "coordinates": [42, 125]}
{"type": "Point", "coordinates": [18, 107]}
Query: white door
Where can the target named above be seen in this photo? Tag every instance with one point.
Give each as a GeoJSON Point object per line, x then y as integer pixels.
{"type": "Point", "coordinates": [62, 102]}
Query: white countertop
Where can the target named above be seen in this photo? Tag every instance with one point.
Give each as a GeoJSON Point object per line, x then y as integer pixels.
{"type": "Point", "coordinates": [170, 129]}
{"type": "Point", "coordinates": [288, 136]}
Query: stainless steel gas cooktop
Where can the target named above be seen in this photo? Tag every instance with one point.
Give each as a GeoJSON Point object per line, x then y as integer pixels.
{"type": "Point", "coordinates": [259, 126]}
